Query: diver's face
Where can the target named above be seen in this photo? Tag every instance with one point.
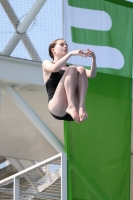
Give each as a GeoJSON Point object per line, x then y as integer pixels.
{"type": "Point", "coordinates": [61, 48]}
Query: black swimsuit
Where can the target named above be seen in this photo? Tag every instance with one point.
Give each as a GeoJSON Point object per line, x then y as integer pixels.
{"type": "Point", "coordinates": [51, 86]}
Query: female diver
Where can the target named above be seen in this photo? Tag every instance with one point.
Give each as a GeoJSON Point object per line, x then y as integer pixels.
{"type": "Point", "coordinates": [67, 85]}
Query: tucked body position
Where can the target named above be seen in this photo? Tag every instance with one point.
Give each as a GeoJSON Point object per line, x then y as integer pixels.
{"type": "Point", "coordinates": [67, 85]}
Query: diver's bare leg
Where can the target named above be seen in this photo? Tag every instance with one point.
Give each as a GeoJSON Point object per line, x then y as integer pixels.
{"type": "Point", "coordinates": [64, 98]}
{"type": "Point", "coordinates": [70, 84]}
{"type": "Point", "coordinates": [82, 88]}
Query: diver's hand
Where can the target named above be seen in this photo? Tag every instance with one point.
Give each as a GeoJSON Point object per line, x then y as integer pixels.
{"type": "Point", "coordinates": [78, 53]}
{"type": "Point", "coordinates": [90, 53]}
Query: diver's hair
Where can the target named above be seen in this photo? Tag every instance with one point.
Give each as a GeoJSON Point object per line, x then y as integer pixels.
{"type": "Point", "coordinates": [52, 45]}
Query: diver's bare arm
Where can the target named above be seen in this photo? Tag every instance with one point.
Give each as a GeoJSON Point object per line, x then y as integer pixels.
{"type": "Point", "coordinates": [92, 72]}
{"type": "Point", "coordinates": [48, 66]}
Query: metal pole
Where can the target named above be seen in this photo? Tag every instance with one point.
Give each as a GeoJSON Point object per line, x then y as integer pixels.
{"type": "Point", "coordinates": [28, 44]}
{"type": "Point", "coordinates": [0, 100]}
{"type": "Point", "coordinates": [12, 44]}
{"type": "Point", "coordinates": [64, 176]}
{"type": "Point", "coordinates": [10, 12]}
{"type": "Point", "coordinates": [16, 188]}
{"type": "Point", "coordinates": [46, 132]}
{"type": "Point", "coordinates": [30, 16]}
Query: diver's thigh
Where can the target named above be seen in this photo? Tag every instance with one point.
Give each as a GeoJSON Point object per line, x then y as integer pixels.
{"type": "Point", "coordinates": [58, 104]}
{"type": "Point", "coordinates": [77, 99]}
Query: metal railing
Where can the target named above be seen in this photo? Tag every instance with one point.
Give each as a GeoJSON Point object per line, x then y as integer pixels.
{"type": "Point", "coordinates": [45, 180]}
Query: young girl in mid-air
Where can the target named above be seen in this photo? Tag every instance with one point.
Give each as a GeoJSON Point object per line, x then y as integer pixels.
{"type": "Point", "coordinates": [67, 85]}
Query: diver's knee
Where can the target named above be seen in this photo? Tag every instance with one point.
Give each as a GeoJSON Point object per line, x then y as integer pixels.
{"type": "Point", "coordinates": [81, 69]}
{"type": "Point", "coordinates": [72, 69]}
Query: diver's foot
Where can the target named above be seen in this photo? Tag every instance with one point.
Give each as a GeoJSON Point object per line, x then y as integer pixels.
{"type": "Point", "coordinates": [74, 114]}
{"type": "Point", "coordinates": [83, 115]}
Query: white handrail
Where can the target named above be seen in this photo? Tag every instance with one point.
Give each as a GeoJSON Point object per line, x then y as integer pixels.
{"type": "Point", "coordinates": [40, 164]}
